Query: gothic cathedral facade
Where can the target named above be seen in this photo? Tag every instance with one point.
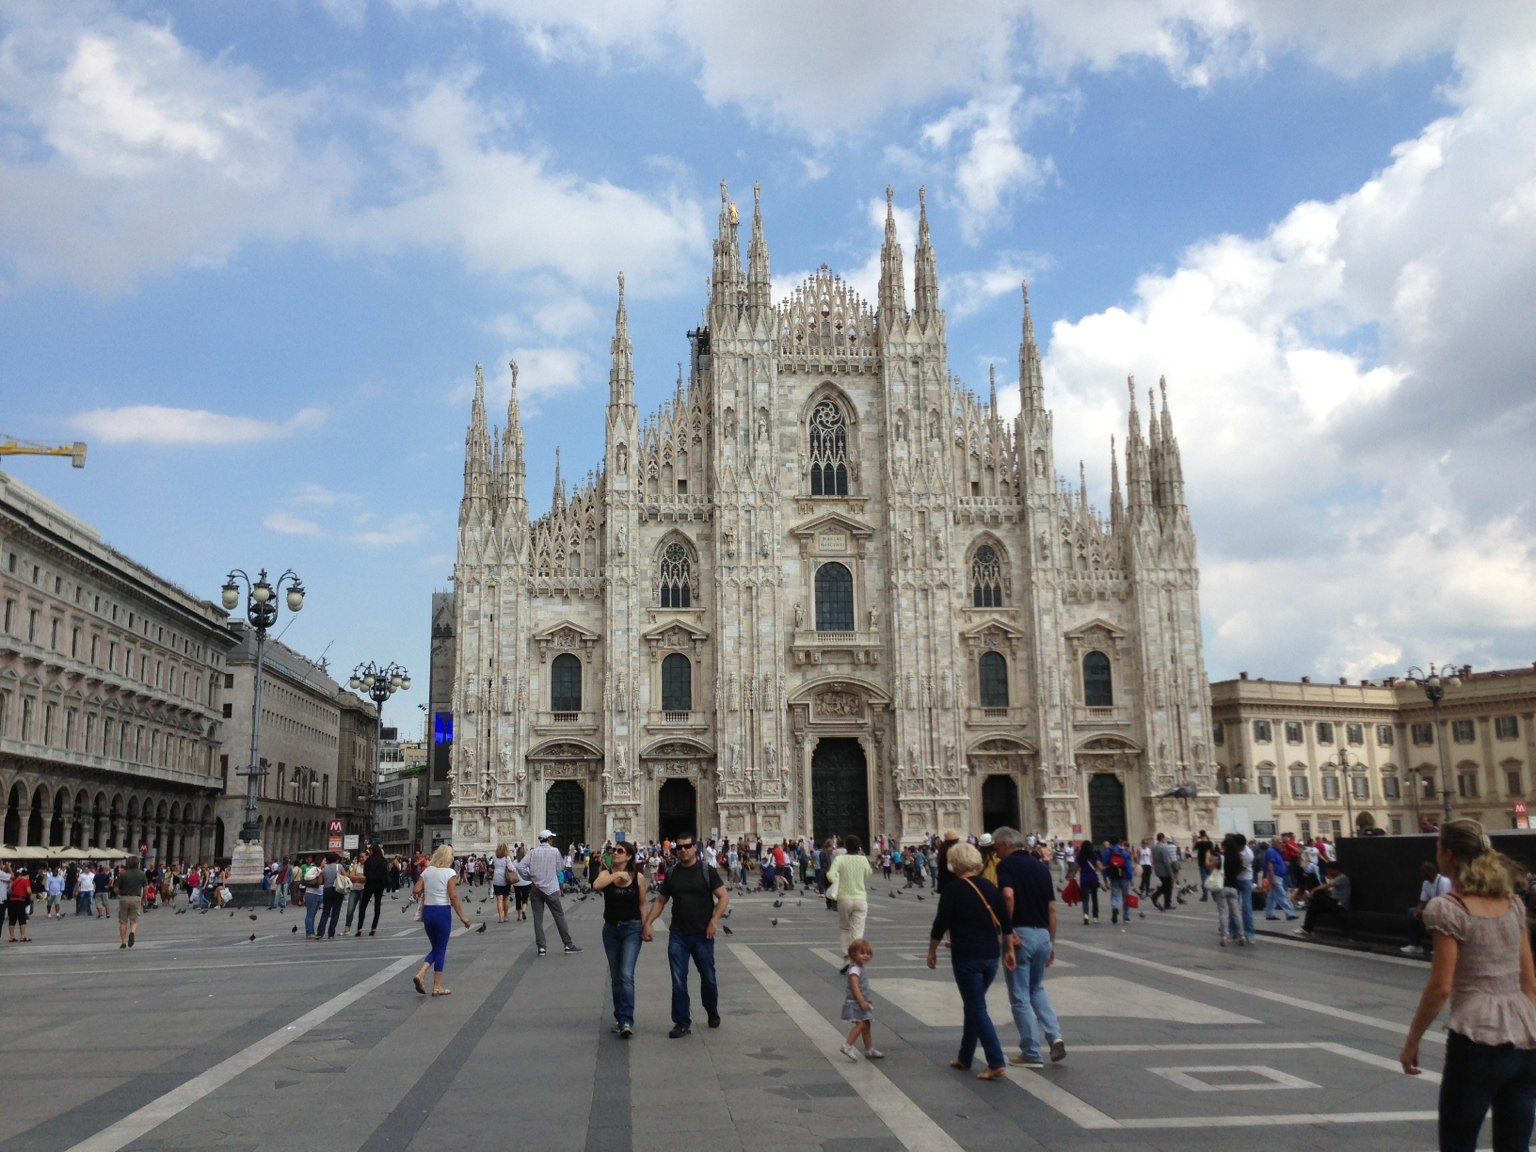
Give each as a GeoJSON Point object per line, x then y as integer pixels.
{"type": "Point", "coordinates": [825, 590]}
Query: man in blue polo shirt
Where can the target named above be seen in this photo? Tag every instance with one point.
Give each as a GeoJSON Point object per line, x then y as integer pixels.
{"type": "Point", "coordinates": [1025, 882]}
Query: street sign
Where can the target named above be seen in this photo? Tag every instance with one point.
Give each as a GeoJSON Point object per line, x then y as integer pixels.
{"type": "Point", "coordinates": [350, 843]}
{"type": "Point", "coordinates": [334, 830]}
{"type": "Point", "coordinates": [1521, 819]}
{"type": "Point", "coordinates": [143, 847]}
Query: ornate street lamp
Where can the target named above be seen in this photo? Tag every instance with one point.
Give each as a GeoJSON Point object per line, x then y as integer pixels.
{"type": "Point", "coordinates": [380, 684]}
{"type": "Point", "coordinates": [261, 599]}
{"type": "Point", "coordinates": [1434, 683]}
{"type": "Point", "coordinates": [1347, 770]}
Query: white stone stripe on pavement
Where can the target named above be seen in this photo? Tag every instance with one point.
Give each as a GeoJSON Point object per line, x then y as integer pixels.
{"type": "Point", "coordinates": [1399, 1027]}
{"type": "Point", "coordinates": [151, 1116]}
{"type": "Point", "coordinates": [908, 1123]}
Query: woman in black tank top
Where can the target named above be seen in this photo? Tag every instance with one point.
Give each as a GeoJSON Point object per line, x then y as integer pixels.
{"type": "Point", "coordinates": [624, 893]}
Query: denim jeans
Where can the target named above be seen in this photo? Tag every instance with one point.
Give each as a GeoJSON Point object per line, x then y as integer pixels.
{"type": "Point", "coordinates": [1118, 891]}
{"type": "Point", "coordinates": [1245, 906]}
{"type": "Point", "coordinates": [1228, 922]}
{"type": "Point", "coordinates": [312, 901]}
{"type": "Point", "coordinates": [1480, 1076]}
{"type": "Point", "coordinates": [681, 947]}
{"type": "Point", "coordinates": [280, 896]}
{"type": "Point", "coordinates": [622, 943]}
{"type": "Point", "coordinates": [1278, 898]}
{"type": "Point", "coordinates": [1026, 992]}
{"type": "Point", "coordinates": [330, 912]}
{"type": "Point", "coordinates": [973, 978]}
{"type": "Point", "coordinates": [1204, 895]}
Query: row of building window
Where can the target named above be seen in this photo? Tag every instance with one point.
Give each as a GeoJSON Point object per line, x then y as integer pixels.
{"type": "Point", "coordinates": [834, 585]}
{"type": "Point", "coordinates": [1422, 733]}
{"type": "Point", "coordinates": [185, 682]}
{"type": "Point", "coordinates": [677, 682]}
{"type": "Point", "coordinates": [121, 740]}
{"type": "Point", "coordinates": [1468, 786]}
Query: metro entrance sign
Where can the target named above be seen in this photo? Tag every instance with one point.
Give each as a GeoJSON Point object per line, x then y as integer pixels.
{"type": "Point", "coordinates": [335, 830]}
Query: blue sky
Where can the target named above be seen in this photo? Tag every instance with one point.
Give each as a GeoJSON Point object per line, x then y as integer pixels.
{"type": "Point", "coordinates": [252, 253]}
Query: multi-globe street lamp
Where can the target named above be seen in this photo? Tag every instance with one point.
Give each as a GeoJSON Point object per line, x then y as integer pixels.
{"type": "Point", "coordinates": [380, 683]}
{"type": "Point", "coordinates": [1434, 683]}
{"type": "Point", "coordinates": [1347, 771]}
{"type": "Point", "coordinates": [261, 609]}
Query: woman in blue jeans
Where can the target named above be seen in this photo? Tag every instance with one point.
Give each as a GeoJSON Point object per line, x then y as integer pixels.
{"type": "Point", "coordinates": [624, 894]}
{"type": "Point", "coordinates": [1482, 964]}
{"type": "Point", "coordinates": [972, 912]}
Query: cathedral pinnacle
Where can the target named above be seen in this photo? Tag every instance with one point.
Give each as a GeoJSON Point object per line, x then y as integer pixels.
{"type": "Point", "coordinates": [892, 306]}
{"type": "Point", "coordinates": [925, 268]}
{"type": "Point", "coordinates": [558, 500]}
{"type": "Point", "coordinates": [513, 468]}
{"type": "Point", "coordinates": [477, 454]}
{"type": "Point", "coordinates": [1031, 377]}
{"type": "Point", "coordinates": [726, 283]}
{"type": "Point", "coordinates": [759, 286]}
{"type": "Point", "coordinates": [621, 376]}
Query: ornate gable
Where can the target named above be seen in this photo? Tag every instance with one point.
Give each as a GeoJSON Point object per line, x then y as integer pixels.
{"type": "Point", "coordinates": [565, 636]}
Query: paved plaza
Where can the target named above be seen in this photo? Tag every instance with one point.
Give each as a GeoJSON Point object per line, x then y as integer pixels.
{"type": "Point", "coordinates": [201, 1038]}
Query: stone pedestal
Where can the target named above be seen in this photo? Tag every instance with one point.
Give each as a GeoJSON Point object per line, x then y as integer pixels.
{"type": "Point", "coordinates": [245, 866]}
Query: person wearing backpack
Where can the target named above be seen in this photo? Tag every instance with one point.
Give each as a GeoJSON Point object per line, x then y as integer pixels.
{"type": "Point", "coordinates": [1116, 864]}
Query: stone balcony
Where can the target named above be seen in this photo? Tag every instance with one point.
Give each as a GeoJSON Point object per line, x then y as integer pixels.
{"type": "Point", "coordinates": [550, 722]}
{"type": "Point", "coordinates": [1086, 717]}
{"type": "Point", "coordinates": [812, 647]}
{"type": "Point", "coordinates": [671, 720]}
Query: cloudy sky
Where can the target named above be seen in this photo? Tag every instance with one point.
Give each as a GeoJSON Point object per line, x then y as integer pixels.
{"type": "Point", "coordinates": [252, 252]}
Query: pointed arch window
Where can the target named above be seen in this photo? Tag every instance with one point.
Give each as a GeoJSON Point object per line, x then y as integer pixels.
{"type": "Point", "coordinates": [676, 577]}
{"type": "Point", "coordinates": [992, 673]}
{"type": "Point", "coordinates": [986, 578]}
{"type": "Point", "coordinates": [1098, 686]}
{"type": "Point", "coordinates": [834, 598]}
{"type": "Point", "coordinates": [676, 683]}
{"type": "Point", "coordinates": [565, 683]}
{"type": "Point", "coordinates": [829, 450]}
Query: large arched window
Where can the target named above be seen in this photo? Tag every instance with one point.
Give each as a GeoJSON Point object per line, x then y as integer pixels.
{"type": "Point", "coordinates": [565, 683]}
{"type": "Point", "coordinates": [676, 590]}
{"type": "Point", "coordinates": [829, 450]}
{"type": "Point", "coordinates": [834, 599]}
{"type": "Point", "coordinates": [986, 578]}
{"type": "Point", "coordinates": [676, 683]}
{"type": "Point", "coordinates": [1098, 687]}
{"type": "Point", "coordinates": [992, 672]}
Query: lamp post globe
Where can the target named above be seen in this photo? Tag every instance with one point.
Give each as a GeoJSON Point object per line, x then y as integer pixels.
{"type": "Point", "coordinates": [379, 682]}
{"type": "Point", "coordinates": [1434, 683]}
{"type": "Point", "coordinates": [261, 612]}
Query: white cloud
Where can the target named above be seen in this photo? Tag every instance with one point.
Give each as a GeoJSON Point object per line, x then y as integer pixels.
{"type": "Point", "coordinates": [990, 168]}
{"type": "Point", "coordinates": [131, 155]}
{"type": "Point", "coordinates": [969, 292]}
{"type": "Point", "coordinates": [1352, 394]}
{"type": "Point", "coordinates": [406, 528]}
{"type": "Point", "coordinates": [154, 424]}
{"type": "Point", "coordinates": [312, 495]}
{"type": "Point", "coordinates": [290, 525]}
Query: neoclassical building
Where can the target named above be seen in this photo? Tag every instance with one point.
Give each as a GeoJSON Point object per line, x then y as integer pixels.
{"type": "Point", "coordinates": [112, 693]}
{"type": "Point", "coordinates": [825, 589]}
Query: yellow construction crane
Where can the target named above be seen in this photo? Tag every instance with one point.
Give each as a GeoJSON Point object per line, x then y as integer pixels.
{"type": "Point", "coordinates": [10, 446]}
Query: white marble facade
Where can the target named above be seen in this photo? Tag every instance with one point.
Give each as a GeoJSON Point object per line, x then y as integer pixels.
{"type": "Point", "coordinates": [825, 589]}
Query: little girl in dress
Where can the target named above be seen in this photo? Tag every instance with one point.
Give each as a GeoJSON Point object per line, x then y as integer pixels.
{"type": "Point", "coordinates": [856, 1005]}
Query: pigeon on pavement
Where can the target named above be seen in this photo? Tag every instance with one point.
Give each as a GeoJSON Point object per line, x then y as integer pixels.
{"type": "Point", "coordinates": [253, 915]}
{"type": "Point", "coordinates": [482, 927]}
{"type": "Point", "coordinates": [253, 937]}
{"type": "Point", "coordinates": [727, 929]}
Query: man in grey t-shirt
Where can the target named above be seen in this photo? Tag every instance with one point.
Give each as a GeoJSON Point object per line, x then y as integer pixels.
{"type": "Point", "coordinates": [1331, 898]}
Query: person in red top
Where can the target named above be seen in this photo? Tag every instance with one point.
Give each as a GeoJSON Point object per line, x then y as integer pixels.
{"type": "Point", "coordinates": [17, 901]}
{"type": "Point", "coordinates": [780, 868]}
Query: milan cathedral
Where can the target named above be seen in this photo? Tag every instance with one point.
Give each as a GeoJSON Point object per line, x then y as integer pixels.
{"type": "Point", "coordinates": [825, 590]}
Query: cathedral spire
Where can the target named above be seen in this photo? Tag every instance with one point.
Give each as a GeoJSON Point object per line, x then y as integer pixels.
{"type": "Point", "coordinates": [1031, 379]}
{"type": "Point", "coordinates": [513, 469]}
{"type": "Point", "coordinates": [477, 454]}
{"type": "Point", "coordinates": [992, 390]}
{"type": "Point", "coordinates": [621, 376]}
{"type": "Point", "coordinates": [893, 286]}
{"type": "Point", "coordinates": [1116, 502]}
{"type": "Point", "coordinates": [558, 500]}
{"type": "Point", "coordinates": [1082, 486]}
{"type": "Point", "coordinates": [726, 285]}
{"type": "Point", "coordinates": [759, 286]}
{"type": "Point", "coordinates": [1173, 467]}
{"type": "Point", "coordinates": [1137, 473]}
{"type": "Point", "coordinates": [925, 268]}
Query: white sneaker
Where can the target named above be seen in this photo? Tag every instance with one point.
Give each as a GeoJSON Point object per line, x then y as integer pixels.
{"type": "Point", "coordinates": [849, 1052]}
{"type": "Point", "coordinates": [873, 1054]}
{"type": "Point", "coordinates": [1411, 950]}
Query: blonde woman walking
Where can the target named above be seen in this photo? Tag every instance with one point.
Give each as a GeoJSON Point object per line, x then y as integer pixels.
{"type": "Point", "coordinates": [438, 893]}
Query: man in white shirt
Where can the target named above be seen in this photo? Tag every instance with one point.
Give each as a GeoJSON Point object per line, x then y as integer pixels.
{"type": "Point", "coordinates": [1433, 884]}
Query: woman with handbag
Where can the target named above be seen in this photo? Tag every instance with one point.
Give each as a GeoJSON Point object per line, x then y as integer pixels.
{"type": "Point", "coordinates": [972, 912]}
